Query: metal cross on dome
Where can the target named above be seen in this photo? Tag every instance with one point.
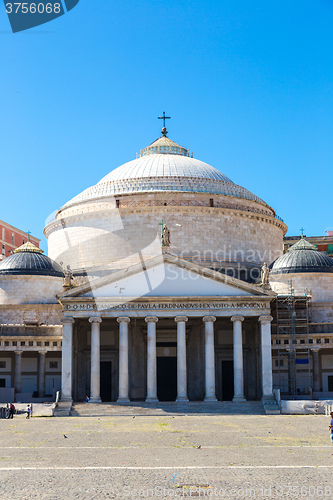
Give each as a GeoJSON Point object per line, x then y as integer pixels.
{"type": "Point", "coordinates": [302, 231]}
{"type": "Point", "coordinates": [164, 118]}
{"type": "Point", "coordinates": [28, 233]}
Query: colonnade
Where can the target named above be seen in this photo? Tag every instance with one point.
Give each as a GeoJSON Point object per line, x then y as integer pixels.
{"type": "Point", "coordinates": [210, 394]}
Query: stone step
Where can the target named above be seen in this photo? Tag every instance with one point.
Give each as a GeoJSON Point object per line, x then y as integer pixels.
{"type": "Point", "coordinates": [150, 409]}
{"type": "Point", "coordinates": [272, 409]}
{"type": "Point", "coordinates": [63, 409]}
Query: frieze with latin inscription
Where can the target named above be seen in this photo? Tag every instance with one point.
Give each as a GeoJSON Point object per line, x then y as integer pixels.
{"type": "Point", "coordinates": [160, 306]}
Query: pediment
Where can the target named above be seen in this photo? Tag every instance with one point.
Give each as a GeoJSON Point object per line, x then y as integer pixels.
{"type": "Point", "coordinates": [165, 276]}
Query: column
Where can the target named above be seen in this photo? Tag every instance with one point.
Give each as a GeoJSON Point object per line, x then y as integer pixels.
{"type": "Point", "coordinates": [95, 382]}
{"type": "Point", "coordinates": [315, 369]}
{"type": "Point", "coordinates": [151, 360]}
{"type": "Point", "coordinates": [181, 359]}
{"type": "Point", "coordinates": [266, 357]}
{"type": "Point", "coordinates": [67, 359]}
{"type": "Point", "coordinates": [238, 359]}
{"type": "Point", "coordinates": [209, 358]}
{"type": "Point", "coordinates": [18, 371]}
{"type": "Point", "coordinates": [123, 360]}
{"type": "Point", "coordinates": [41, 374]}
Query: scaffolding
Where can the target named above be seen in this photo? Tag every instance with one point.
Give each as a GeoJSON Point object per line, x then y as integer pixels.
{"type": "Point", "coordinates": [293, 344]}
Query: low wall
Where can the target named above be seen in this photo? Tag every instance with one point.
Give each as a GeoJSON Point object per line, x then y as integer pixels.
{"type": "Point", "coordinates": [303, 407]}
{"type": "Point", "coordinates": [38, 410]}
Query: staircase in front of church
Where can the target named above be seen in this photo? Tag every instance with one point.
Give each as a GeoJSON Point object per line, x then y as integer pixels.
{"type": "Point", "coordinates": [136, 409]}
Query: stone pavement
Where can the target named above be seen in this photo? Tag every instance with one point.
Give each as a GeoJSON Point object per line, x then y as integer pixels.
{"type": "Point", "coordinates": [199, 456]}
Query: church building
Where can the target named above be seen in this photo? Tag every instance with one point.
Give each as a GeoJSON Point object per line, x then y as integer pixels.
{"type": "Point", "coordinates": [156, 288]}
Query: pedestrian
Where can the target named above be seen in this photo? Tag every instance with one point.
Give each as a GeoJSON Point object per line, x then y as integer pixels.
{"type": "Point", "coordinates": [28, 411]}
{"type": "Point", "coordinates": [87, 399]}
{"type": "Point", "coordinates": [11, 410]}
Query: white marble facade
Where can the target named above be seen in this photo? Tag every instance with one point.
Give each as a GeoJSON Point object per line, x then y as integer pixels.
{"type": "Point", "coordinates": [188, 321]}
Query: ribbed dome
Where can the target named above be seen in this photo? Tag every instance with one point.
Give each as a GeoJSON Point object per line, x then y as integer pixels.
{"type": "Point", "coordinates": [163, 166]}
{"type": "Point", "coordinates": [302, 258]}
{"type": "Point", "coordinates": [29, 260]}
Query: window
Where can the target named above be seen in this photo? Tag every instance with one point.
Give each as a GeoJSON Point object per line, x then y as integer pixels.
{"type": "Point", "coordinates": [2, 364]}
{"type": "Point", "coordinates": [286, 341]}
{"type": "Point", "coordinates": [310, 341]}
{"type": "Point", "coordinates": [302, 341]}
{"type": "Point", "coordinates": [2, 382]}
{"type": "Point", "coordinates": [3, 250]}
{"type": "Point", "coordinates": [6, 343]}
{"type": "Point", "coordinates": [327, 341]}
{"type": "Point", "coordinates": [53, 364]}
{"type": "Point", "coordinates": [13, 239]}
{"type": "Point", "coordinates": [277, 362]}
{"type": "Point", "coordinates": [211, 202]}
{"type": "Point", "coordinates": [55, 343]}
{"type": "Point", "coordinates": [3, 233]}
{"type": "Point", "coordinates": [31, 343]}
{"type": "Point", "coordinates": [318, 341]}
{"type": "Point", "coordinates": [14, 343]}
{"type": "Point", "coordinates": [278, 341]}
{"type": "Point", "coordinates": [39, 343]}
{"type": "Point", "coordinates": [47, 344]}
{"type": "Point", "coordinates": [23, 342]}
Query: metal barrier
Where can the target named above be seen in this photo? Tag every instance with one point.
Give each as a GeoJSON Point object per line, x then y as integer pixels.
{"type": "Point", "coordinates": [3, 412]}
{"type": "Point", "coordinates": [328, 409]}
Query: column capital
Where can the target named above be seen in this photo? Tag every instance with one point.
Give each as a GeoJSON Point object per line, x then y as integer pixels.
{"type": "Point", "coordinates": [209, 319]}
{"type": "Point", "coordinates": [123, 319]}
{"type": "Point", "coordinates": [151, 319]}
{"type": "Point", "coordinates": [18, 352]}
{"type": "Point", "coordinates": [236, 318]}
{"type": "Point", "coordinates": [315, 349]}
{"type": "Point", "coordinates": [179, 319]}
{"type": "Point", "coordinates": [265, 319]}
{"type": "Point", "coordinates": [42, 352]}
{"type": "Point", "coordinates": [67, 320]}
{"type": "Point", "coordinates": [95, 319]}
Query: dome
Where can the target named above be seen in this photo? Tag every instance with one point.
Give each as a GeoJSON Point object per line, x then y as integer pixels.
{"type": "Point", "coordinates": [302, 257]}
{"type": "Point", "coordinates": [163, 166]}
{"type": "Point", "coordinates": [29, 260]}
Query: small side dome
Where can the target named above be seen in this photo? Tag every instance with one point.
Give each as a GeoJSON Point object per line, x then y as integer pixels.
{"type": "Point", "coordinates": [302, 257]}
{"type": "Point", "coordinates": [29, 260]}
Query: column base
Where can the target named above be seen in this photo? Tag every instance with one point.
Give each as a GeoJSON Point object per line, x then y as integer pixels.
{"type": "Point", "coordinates": [66, 399]}
{"type": "Point", "coordinates": [95, 400]}
{"type": "Point", "coordinates": [151, 400]}
{"type": "Point", "coordinates": [123, 400]}
{"type": "Point", "coordinates": [182, 399]}
{"type": "Point", "coordinates": [210, 398]}
{"type": "Point", "coordinates": [268, 398]}
{"type": "Point", "coordinates": [238, 399]}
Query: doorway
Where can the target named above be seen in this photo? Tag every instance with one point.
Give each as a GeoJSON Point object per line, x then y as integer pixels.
{"type": "Point", "coordinates": [167, 378]}
{"type": "Point", "coordinates": [227, 380]}
{"type": "Point", "coordinates": [330, 383]}
{"type": "Point", "coordinates": [106, 381]}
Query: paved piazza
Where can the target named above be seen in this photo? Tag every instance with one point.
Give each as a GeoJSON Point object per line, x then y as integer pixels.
{"type": "Point", "coordinates": [241, 456]}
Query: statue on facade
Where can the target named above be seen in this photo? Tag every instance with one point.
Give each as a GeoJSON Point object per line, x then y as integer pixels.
{"type": "Point", "coordinates": [264, 275]}
{"type": "Point", "coordinates": [68, 278]}
{"type": "Point", "coordinates": [165, 236]}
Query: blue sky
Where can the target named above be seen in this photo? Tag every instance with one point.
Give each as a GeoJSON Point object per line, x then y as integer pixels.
{"type": "Point", "coordinates": [248, 84]}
